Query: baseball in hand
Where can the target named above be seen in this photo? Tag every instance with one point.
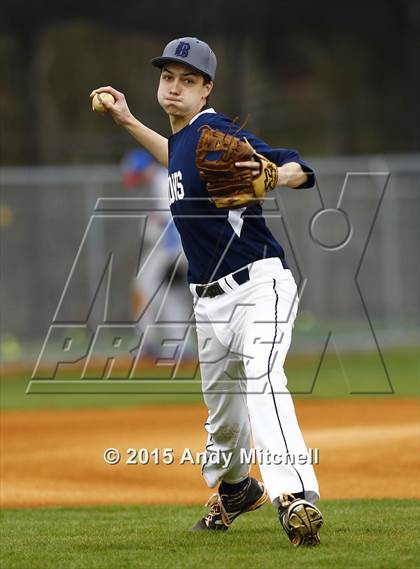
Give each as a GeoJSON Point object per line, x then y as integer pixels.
{"type": "Point", "coordinates": [98, 99]}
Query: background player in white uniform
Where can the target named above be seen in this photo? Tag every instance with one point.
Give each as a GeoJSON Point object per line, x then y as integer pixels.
{"type": "Point", "coordinates": [151, 301]}
{"type": "Point", "coordinates": [245, 302]}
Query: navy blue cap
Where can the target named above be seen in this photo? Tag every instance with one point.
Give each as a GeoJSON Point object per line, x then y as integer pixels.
{"type": "Point", "coordinates": [189, 51]}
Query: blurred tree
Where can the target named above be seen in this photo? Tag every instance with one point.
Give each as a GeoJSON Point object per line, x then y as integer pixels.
{"type": "Point", "coordinates": [323, 77]}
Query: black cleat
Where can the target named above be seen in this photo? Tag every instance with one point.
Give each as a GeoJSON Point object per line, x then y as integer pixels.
{"type": "Point", "coordinates": [300, 519]}
{"type": "Point", "coordinates": [224, 508]}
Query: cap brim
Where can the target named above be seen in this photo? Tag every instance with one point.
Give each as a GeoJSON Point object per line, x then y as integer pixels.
{"type": "Point", "coordinates": [160, 62]}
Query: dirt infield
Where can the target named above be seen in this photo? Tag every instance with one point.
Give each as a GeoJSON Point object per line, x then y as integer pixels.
{"type": "Point", "coordinates": [368, 448]}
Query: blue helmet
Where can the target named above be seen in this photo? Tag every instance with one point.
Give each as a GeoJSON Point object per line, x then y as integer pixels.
{"type": "Point", "coordinates": [134, 164]}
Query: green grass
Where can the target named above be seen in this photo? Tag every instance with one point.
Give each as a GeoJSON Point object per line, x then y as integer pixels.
{"type": "Point", "coordinates": [13, 396]}
{"type": "Point", "coordinates": [352, 373]}
{"type": "Point", "coordinates": [378, 534]}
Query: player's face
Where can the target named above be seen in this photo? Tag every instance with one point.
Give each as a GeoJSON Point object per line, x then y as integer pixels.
{"type": "Point", "coordinates": [182, 92]}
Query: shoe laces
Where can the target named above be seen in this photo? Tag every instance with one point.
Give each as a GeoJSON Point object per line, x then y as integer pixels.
{"type": "Point", "coordinates": [217, 510]}
{"type": "Point", "coordinates": [286, 499]}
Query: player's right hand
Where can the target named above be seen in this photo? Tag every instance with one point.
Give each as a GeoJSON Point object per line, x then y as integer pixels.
{"type": "Point", "coordinates": [119, 110]}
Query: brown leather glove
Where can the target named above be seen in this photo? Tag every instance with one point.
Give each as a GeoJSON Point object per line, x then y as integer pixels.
{"type": "Point", "coordinates": [229, 186]}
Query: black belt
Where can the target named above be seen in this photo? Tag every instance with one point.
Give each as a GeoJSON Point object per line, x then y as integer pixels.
{"type": "Point", "coordinates": [211, 290]}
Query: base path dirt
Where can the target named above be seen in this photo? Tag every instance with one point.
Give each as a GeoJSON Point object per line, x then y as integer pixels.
{"type": "Point", "coordinates": [367, 449]}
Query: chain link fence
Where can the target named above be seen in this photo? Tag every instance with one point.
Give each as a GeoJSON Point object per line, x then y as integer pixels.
{"type": "Point", "coordinates": [352, 243]}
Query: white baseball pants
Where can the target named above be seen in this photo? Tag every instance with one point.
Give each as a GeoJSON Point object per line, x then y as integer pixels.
{"type": "Point", "coordinates": [243, 338]}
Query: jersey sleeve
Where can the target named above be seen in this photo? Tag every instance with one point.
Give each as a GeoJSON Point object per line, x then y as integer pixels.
{"type": "Point", "coordinates": [279, 156]}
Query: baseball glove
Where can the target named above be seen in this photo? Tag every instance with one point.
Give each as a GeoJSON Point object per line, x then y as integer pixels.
{"type": "Point", "coordinates": [229, 186]}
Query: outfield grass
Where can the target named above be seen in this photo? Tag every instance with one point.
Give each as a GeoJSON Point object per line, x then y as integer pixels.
{"type": "Point", "coordinates": [342, 377]}
{"type": "Point", "coordinates": [357, 534]}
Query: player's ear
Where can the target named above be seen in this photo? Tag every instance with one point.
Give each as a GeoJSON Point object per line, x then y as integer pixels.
{"type": "Point", "coordinates": [208, 87]}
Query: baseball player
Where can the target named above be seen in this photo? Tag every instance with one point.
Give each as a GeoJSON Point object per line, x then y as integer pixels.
{"type": "Point", "coordinates": [162, 249]}
{"type": "Point", "coordinates": [245, 298]}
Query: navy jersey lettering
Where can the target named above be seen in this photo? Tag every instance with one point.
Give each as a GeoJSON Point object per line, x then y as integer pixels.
{"type": "Point", "coordinates": [176, 189]}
